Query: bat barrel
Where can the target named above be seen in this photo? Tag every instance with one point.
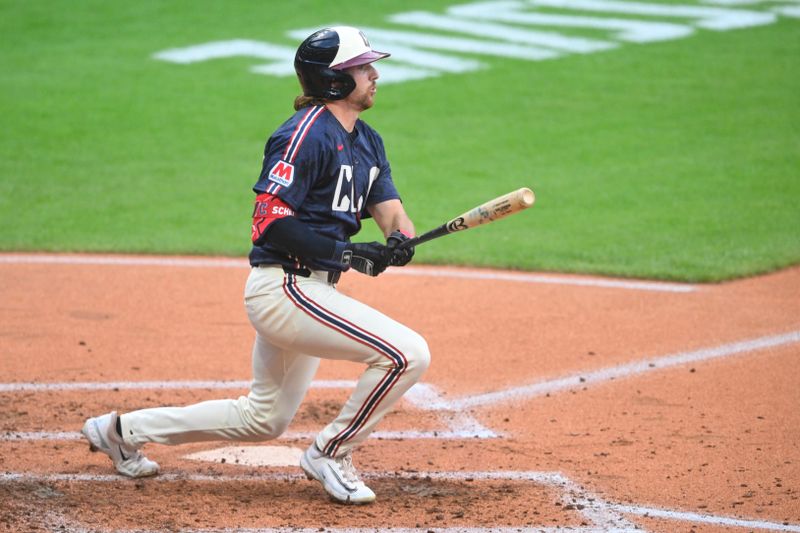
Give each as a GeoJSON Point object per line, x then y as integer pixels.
{"type": "Point", "coordinates": [495, 209]}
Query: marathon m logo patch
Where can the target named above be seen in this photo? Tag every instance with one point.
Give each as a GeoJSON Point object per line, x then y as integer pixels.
{"type": "Point", "coordinates": [282, 173]}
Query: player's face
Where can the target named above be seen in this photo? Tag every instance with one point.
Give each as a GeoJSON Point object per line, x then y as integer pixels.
{"type": "Point", "coordinates": [366, 77]}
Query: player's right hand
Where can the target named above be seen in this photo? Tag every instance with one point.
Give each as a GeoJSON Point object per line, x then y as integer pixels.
{"type": "Point", "coordinates": [399, 256]}
{"type": "Point", "coordinates": [370, 258]}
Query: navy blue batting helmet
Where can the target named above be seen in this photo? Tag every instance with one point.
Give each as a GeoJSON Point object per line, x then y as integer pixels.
{"type": "Point", "coordinates": [321, 59]}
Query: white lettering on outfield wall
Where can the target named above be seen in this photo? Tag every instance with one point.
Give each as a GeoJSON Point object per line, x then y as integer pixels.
{"type": "Point", "coordinates": [222, 49]}
{"type": "Point", "coordinates": [637, 31]}
{"type": "Point", "coordinates": [785, 10]}
{"type": "Point", "coordinates": [509, 29]}
{"type": "Point", "coordinates": [710, 18]}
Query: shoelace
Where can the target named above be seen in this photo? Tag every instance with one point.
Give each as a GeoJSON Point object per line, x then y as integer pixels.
{"type": "Point", "coordinates": [349, 471]}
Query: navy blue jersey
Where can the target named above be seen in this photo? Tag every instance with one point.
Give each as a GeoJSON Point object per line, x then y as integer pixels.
{"type": "Point", "coordinates": [326, 175]}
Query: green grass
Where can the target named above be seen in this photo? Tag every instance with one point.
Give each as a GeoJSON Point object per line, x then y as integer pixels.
{"type": "Point", "coordinates": [676, 160]}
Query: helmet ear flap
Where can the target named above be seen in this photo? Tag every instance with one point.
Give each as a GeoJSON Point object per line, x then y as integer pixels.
{"type": "Point", "coordinates": [340, 84]}
{"type": "Point", "coordinates": [323, 82]}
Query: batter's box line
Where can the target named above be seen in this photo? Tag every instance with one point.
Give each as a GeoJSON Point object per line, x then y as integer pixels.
{"type": "Point", "coordinates": [579, 380]}
{"type": "Point", "coordinates": [597, 514]}
{"type": "Point", "coordinates": [457, 425]}
{"type": "Point", "coordinates": [453, 413]}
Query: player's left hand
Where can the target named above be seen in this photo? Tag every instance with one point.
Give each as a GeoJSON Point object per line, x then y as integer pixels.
{"type": "Point", "coordinates": [370, 258]}
{"type": "Point", "coordinates": [399, 257]}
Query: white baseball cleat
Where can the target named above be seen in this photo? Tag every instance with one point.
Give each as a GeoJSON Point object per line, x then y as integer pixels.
{"type": "Point", "coordinates": [102, 436]}
{"type": "Point", "coordinates": [337, 475]}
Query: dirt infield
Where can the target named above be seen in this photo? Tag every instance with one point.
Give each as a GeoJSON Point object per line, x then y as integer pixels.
{"type": "Point", "coordinates": [552, 402]}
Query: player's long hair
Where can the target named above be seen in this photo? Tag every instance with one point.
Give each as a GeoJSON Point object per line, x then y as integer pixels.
{"type": "Point", "coordinates": [304, 101]}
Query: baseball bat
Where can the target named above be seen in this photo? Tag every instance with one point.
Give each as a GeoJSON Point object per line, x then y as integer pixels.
{"type": "Point", "coordinates": [495, 209]}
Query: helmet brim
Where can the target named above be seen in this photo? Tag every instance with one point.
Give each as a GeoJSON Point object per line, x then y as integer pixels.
{"type": "Point", "coordinates": [361, 59]}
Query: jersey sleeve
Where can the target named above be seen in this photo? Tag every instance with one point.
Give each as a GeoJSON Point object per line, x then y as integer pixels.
{"type": "Point", "coordinates": [294, 160]}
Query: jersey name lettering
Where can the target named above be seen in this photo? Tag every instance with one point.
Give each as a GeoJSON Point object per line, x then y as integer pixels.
{"type": "Point", "coordinates": [282, 211]}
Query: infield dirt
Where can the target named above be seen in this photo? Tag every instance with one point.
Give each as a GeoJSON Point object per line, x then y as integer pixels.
{"type": "Point", "coordinates": [719, 437]}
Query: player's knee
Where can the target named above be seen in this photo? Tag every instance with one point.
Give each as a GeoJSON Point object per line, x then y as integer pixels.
{"type": "Point", "coordinates": [411, 357]}
{"type": "Point", "coordinates": [277, 427]}
{"type": "Point", "coordinates": [418, 356]}
{"type": "Point", "coordinates": [262, 421]}
{"type": "Point", "coordinates": [268, 427]}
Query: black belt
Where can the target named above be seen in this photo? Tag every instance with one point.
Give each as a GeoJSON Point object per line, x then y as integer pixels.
{"type": "Point", "coordinates": [333, 275]}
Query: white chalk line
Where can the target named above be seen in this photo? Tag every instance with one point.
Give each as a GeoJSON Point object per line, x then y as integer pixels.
{"type": "Point", "coordinates": [154, 385]}
{"type": "Point", "coordinates": [588, 506]}
{"type": "Point", "coordinates": [426, 397]}
{"type": "Point", "coordinates": [655, 512]}
{"type": "Point", "coordinates": [458, 426]}
{"type": "Point", "coordinates": [62, 527]}
{"type": "Point", "coordinates": [546, 279]}
{"type": "Point", "coordinates": [583, 379]}
{"type": "Point", "coordinates": [491, 275]}
{"type": "Point", "coordinates": [419, 392]}
{"type": "Point", "coordinates": [446, 434]}
{"type": "Point", "coordinates": [603, 515]}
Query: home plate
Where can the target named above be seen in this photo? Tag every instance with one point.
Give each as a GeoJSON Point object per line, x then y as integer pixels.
{"type": "Point", "coordinates": [251, 455]}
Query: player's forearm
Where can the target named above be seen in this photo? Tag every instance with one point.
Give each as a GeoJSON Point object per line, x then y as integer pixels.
{"type": "Point", "coordinates": [399, 221]}
{"type": "Point", "coordinates": [299, 240]}
{"type": "Point", "coordinates": [391, 216]}
{"type": "Point", "coordinates": [404, 225]}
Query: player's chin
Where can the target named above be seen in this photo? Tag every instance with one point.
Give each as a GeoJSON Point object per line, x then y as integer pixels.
{"type": "Point", "coordinates": [367, 102]}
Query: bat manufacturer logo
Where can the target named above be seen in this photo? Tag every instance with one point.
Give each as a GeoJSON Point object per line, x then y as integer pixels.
{"type": "Point", "coordinates": [456, 224]}
{"type": "Point", "coordinates": [282, 173]}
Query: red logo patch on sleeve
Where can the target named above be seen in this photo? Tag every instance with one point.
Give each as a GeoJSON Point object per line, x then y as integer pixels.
{"type": "Point", "coordinates": [267, 209]}
{"type": "Point", "coordinates": [282, 173]}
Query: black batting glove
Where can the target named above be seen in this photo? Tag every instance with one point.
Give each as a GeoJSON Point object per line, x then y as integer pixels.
{"type": "Point", "coordinates": [370, 258]}
{"type": "Point", "coordinates": [399, 256]}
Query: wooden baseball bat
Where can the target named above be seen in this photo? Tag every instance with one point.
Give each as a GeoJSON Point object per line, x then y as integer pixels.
{"type": "Point", "coordinates": [495, 209]}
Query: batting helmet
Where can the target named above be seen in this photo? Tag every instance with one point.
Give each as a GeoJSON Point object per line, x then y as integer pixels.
{"type": "Point", "coordinates": [321, 59]}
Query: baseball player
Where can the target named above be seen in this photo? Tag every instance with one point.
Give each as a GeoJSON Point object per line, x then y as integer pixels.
{"type": "Point", "coordinates": [324, 171]}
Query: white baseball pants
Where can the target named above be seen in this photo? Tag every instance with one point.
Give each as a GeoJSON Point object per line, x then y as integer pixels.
{"type": "Point", "coordinates": [298, 320]}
